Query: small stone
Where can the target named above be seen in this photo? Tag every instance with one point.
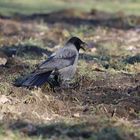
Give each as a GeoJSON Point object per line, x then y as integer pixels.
{"type": "Point", "coordinates": [77, 115]}
{"type": "Point", "coordinates": [4, 99]}
{"type": "Point", "coordinates": [3, 59]}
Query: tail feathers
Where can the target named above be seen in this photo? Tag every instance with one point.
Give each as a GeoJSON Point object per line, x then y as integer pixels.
{"type": "Point", "coordinates": [35, 80]}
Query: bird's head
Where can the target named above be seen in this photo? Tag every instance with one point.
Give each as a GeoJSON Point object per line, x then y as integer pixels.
{"type": "Point", "coordinates": [79, 44]}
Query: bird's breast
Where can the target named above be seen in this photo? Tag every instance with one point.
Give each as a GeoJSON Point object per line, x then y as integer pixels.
{"type": "Point", "coordinates": [67, 73]}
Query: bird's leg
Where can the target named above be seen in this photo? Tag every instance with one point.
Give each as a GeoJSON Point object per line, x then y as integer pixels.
{"type": "Point", "coordinates": [54, 80]}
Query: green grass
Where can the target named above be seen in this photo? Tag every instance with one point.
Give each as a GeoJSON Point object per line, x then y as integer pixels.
{"type": "Point", "coordinates": [8, 7]}
{"type": "Point", "coordinates": [68, 131]}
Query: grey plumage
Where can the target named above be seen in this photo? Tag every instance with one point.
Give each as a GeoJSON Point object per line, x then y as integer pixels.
{"type": "Point", "coordinates": [61, 64]}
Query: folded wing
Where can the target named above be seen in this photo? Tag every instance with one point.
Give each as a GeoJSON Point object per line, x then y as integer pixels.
{"type": "Point", "coordinates": [59, 60]}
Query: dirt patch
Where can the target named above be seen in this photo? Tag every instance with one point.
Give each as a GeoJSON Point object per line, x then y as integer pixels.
{"type": "Point", "coordinates": [110, 94]}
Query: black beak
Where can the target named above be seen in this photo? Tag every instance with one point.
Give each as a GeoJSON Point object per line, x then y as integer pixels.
{"type": "Point", "coordinates": [83, 45]}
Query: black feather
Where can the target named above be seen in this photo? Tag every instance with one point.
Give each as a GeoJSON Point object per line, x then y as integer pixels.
{"type": "Point", "coordinates": [33, 80]}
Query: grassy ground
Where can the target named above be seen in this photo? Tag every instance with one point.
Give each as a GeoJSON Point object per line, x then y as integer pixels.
{"type": "Point", "coordinates": [105, 105]}
{"type": "Point", "coordinates": [42, 6]}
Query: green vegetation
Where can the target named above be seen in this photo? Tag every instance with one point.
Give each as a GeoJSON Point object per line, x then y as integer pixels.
{"type": "Point", "coordinates": [8, 7]}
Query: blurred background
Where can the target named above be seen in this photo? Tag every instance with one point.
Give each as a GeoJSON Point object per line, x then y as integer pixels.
{"type": "Point", "coordinates": [11, 7]}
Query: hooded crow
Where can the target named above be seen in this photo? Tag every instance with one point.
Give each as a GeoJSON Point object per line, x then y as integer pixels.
{"type": "Point", "coordinates": [60, 65]}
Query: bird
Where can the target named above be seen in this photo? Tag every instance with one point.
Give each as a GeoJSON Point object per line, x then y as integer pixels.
{"type": "Point", "coordinates": [60, 66]}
